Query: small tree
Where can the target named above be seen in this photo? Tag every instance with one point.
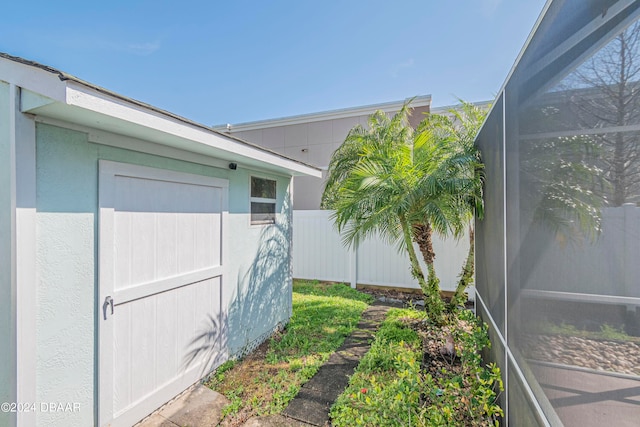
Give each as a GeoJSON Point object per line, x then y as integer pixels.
{"type": "Point", "coordinates": [402, 185]}
{"type": "Point", "coordinates": [604, 92]}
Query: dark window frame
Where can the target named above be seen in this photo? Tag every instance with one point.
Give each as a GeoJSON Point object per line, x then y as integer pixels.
{"type": "Point", "coordinates": [263, 193]}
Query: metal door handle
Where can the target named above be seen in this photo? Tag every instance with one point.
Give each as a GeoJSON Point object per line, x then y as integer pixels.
{"type": "Point", "coordinates": [108, 301]}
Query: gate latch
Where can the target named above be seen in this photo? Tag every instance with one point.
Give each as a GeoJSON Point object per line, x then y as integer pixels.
{"type": "Point", "coordinates": [108, 301]}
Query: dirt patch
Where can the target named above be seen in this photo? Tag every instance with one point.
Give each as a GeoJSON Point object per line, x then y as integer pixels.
{"type": "Point", "coordinates": [392, 294]}
{"type": "Point", "coordinates": [241, 381]}
{"type": "Point", "coordinates": [441, 350]}
{"type": "Point", "coordinates": [413, 299]}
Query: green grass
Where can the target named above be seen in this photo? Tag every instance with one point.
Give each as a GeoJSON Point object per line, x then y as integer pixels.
{"type": "Point", "coordinates": [323, 315]}
{"type": "Point", "coordinates": [262, 384]}
{"type": "Point", "coordinates": [385, 389]}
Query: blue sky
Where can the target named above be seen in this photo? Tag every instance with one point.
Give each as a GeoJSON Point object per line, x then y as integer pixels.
{"type": "Point", "coordinates": [233, 61]}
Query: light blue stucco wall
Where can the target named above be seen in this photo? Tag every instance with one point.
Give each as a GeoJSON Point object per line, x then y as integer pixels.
{"type": "Point", "coordinates": [7, 297]}
{"type": "Point", "coordinates": [260, 256]}
{"type": "Point", "coordinates": [257, 286]}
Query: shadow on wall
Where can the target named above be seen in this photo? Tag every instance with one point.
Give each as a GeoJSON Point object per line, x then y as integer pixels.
{"type": "Point", "coordinates": [261, 305]}
{"type": "Point", "coordinates": [263, 301]}
{"type": "Point", "coordinates": [206, 349]}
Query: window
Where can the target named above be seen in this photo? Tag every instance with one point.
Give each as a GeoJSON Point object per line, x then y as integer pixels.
{"type": "Point", "coordinates": [263, 201]}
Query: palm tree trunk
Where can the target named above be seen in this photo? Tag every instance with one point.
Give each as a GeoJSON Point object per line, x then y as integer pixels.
{"type": "Point", "coordinates": [466, 277]}
{"type": "Point", "coordinates": [430, 287]}
{"type": "Point", "coordinates": [416, 270]}
{"type": "Point", "coordinates": [422, 236]}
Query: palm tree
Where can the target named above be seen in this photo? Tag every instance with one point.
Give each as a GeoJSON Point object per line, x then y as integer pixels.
{"type": "Point", "coordinates": [461, 127]}
{"type": "Point", "coordinates": [399, 184]}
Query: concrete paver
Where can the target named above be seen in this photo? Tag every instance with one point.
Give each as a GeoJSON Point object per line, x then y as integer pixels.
{"type": "Point", "coordinates": [582, 398]}
{"type": "Point", "coordinates": [274, 421]}
{"type": "Point", "coordinates": [197, 407]}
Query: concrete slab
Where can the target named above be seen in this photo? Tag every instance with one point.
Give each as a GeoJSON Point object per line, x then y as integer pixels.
{"type": "Point", "coordinates": [156, 420]}
{"type": "Point", "coordinates": [274, 421]}
{"type": "Point", "coordinates": [197, 407]}
{"type": "Point", "coordinates": [583, 398]}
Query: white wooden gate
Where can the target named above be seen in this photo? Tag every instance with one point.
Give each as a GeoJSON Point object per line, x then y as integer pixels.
{"type": "Point", "coordinates": [161, 323]}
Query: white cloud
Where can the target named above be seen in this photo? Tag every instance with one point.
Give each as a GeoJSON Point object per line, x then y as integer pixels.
{"type": "Point", "coordinates": [401, 66]}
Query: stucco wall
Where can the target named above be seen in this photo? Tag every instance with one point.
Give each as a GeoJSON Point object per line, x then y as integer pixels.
{"type": "Point", "coordinates": [259, 256]}
{"type": "Point", "coordinates": [257, 285]}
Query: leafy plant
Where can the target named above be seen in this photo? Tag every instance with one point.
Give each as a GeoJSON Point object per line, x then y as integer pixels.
{"type": "Point", "coordinates": [218, 375]}
{"type": "Point", "coordinates": [460, 127]}
{"type": "Point", "coordinates": [391, 387]}
{"type": "Point", "coordinates": [235, 396]}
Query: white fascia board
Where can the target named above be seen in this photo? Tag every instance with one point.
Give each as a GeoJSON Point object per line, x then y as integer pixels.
{"type": "Point", "coordinates": [32, 78]}
{"type": "Point", "coordinates": [388, 107]}
{"type": "Point", "coordinates": [50, 93]}
{"type": "Point", "coordinates": [146, 120]}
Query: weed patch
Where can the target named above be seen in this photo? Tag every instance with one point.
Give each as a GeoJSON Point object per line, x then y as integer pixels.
{"type": "Point", "coordinates": [268, 379]}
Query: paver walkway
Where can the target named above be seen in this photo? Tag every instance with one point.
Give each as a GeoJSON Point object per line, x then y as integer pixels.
{"type": "Point", "coordinates": [583, 397]}
{"type": "Point", "coordinates": [311, 405]}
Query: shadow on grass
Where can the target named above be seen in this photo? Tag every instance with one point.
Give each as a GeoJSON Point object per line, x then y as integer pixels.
{"type": "Point", "coordinates": [259, 302]}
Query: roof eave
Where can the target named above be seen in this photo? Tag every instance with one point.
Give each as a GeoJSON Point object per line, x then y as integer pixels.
{"type": "Point", "coordinates": [49, 93]}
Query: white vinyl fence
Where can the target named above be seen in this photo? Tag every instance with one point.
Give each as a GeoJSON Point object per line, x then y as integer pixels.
{"type": "Point", "coordinates": [608, 266]}
{"type": "Point", "coordinates": [318, 253]}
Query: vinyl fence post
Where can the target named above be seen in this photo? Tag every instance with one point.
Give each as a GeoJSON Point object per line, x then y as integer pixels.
{"type": "Point", "coordinates": [630, 248]}
{"type": "Point", "coordinates": [353, 270]}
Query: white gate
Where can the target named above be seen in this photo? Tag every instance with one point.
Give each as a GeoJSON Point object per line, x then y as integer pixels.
{"type": "Point", "coordinates": [161, 323]}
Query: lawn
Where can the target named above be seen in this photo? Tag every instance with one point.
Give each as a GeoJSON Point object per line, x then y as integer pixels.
{"type": "Point", "coordinates": [407, 378]}
{"type": "Point", "coordinates": [266, 380]}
